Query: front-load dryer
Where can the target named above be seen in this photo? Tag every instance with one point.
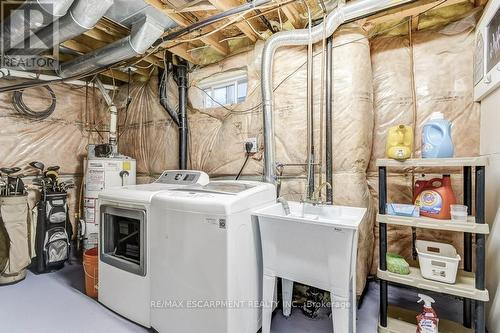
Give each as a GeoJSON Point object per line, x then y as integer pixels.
{"type": "Point", "coordinates": [206, 264]}
{"type": "Point", "coordinates": [125, 224]}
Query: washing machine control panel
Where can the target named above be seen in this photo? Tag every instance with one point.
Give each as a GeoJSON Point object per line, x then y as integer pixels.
{"type": "Point", "coordinates": [181, 177]}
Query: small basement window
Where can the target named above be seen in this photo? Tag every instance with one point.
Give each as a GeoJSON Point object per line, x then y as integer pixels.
{"type": "Point", "coordinates": [224, 89]}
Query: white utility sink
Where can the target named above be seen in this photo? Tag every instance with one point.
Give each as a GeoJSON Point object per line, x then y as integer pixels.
{"type": "Point", "coordinates": [315, 245]}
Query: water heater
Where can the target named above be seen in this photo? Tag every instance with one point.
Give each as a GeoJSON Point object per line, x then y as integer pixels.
{"type": "Point", "coordinates": [103, 173]}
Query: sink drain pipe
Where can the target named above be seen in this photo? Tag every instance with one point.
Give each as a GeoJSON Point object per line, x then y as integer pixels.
{"type": "Point", "coordinates": [351, 11]}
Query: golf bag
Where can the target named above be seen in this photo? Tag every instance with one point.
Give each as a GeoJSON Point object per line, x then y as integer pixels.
{"type": "Point", "coordinates": [14, 238]}
{"type": "Point", "coordinates": [53, 232]}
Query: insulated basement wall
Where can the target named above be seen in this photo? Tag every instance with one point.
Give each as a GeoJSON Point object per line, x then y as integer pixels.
{"type": "Point", "coordinates": [217, 135]}
{"type": "Point", "coordinates": [61, 139]}
{"type": "Point", "coordinates": [412, 79]}
{"type": "Point", "coordinates": [146, 131]}
{"type": "Point", "coordinates": [81, 117]}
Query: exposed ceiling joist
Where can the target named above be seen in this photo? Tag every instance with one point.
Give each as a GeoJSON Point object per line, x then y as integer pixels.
{"type": "Point", "coordinates": [412, 9]}
{"type": "Point", "coordinates": [243, 26]}
{"type": "Point", "coordinates": [194, 8]}
{"type": "Point", "coordinates": [292, 14]}
{"type": "Point", "coordinates": [157, 61]}
{"type": "Point", "coordinates": [213, 39]}
{"type": "Point", "coordinates": [100, 35]}
{"type": "Point", "coordinates": [116, 75]}
{"type": "Point", "coordinates": [112, 28]}
{"type": "Point", "coordinates": [89, 42]}
{"type": "Point", "coordinates": [76, 46]}
{"type": "Point", "coordinates": [182, 50]}
{"type": "Point", "coordinates": [107, 31]}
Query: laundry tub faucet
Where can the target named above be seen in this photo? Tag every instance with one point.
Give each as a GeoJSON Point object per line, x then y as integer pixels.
{"type": "Point", "coordinates": [284, 204]}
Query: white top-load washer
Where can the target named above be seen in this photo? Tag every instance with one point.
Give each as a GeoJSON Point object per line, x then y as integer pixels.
{"type": "Point", "coordinates": [206, 258]}
{"type": "Point", "coordinates": [124, 242]}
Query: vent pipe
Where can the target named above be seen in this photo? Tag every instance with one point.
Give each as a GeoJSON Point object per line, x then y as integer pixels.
{"type": "Point", "coordinates": [113, 117]}
{"type": "Point", "coordinates": [182, 82]}
{"type": "Point", "coordinates": [33, 15]}
{"type": "Point", "coordinates": [144, 34]}
{"type": "Point", "coordinates": [82, 16]}
{"type": "Point", "coordinates": [350, 11]}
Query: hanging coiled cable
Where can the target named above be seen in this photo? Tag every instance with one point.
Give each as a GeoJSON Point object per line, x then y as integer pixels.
{"type": "Point", "coordinates": [22, 108]}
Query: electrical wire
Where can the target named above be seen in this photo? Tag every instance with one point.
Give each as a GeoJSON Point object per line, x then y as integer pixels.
{"type": "Point", "coordinates": [129, 100]}
{"type": "Point", "coordinates": [239, 18]}
{"type": "Point", "coordinates": [22, 108]}
{"type": "Point", "coordinates": [233, 38]}
{"type": "Point", "coordinates": [211, 32]}
{"type": "Point", "coordinates": [247, 21]}
{"type": "Point", "coordinates": [278, 6]}
{"type": "Point", "coordinates": [242, 167]}
{"type": "Point", "coordinates": [198, 48]}
{"type": "Point", "coordinates": [254, 30]}
{"type": "Point", "coordinates": [279, 17]}
{"type": "Point", "coordinates": [248, 151]}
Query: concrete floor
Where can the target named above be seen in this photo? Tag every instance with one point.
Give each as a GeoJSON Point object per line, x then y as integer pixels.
{"type": "Point", "coordinates": [54, 303]}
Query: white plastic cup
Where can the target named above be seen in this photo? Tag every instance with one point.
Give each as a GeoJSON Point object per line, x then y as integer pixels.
{"type": "Point", "coordinates": [459, 213]}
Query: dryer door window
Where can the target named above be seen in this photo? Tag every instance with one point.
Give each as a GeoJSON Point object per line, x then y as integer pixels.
{"type": "Point", "coordinates": [123, 238]}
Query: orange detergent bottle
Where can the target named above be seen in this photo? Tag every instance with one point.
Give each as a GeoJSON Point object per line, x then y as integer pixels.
{"type": "Point", "coordinates": [434, 197]}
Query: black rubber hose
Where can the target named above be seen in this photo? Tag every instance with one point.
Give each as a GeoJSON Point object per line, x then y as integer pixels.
{"type": "Point", "coordinates": [22, 108]}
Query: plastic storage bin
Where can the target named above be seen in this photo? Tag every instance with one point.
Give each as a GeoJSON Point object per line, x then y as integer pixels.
{"type": "Point", "coordinates": [438, 261]}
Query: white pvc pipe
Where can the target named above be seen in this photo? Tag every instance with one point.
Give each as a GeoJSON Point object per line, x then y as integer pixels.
{"type": "Point", "coordinates": [113, 126]}
{"type": "Point", "coordinates": [113, 114]}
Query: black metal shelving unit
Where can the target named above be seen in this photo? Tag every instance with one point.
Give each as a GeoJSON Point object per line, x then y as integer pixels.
{"type": "Point", "coordinates": [470, 286]}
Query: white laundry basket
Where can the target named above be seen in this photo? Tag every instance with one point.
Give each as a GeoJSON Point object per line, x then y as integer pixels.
{"type": "Point", "coordinates": [438, 261]}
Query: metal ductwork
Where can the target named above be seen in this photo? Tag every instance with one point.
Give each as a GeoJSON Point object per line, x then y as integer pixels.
{"type": "Point", "coordinates": [34, 15]}
{"type": "Point", "coordinates": [143, 35]}
{"type": "Point", "coordinates": [82, 16]}
{"type": "Point", "coordinates": [350, 11]}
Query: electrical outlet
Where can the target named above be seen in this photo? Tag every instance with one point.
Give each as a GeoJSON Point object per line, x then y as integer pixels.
{"type": "Point", "coordinates": [253, 141]}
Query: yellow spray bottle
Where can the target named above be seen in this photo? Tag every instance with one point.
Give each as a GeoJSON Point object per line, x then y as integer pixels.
{"type": "Point", "coordinates": [399, 142]}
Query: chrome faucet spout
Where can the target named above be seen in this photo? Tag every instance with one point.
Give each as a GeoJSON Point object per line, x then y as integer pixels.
{"type": "Point", "coordinates": [316, 197]}
{"type": "Point", "coordinates": [284, 204]}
